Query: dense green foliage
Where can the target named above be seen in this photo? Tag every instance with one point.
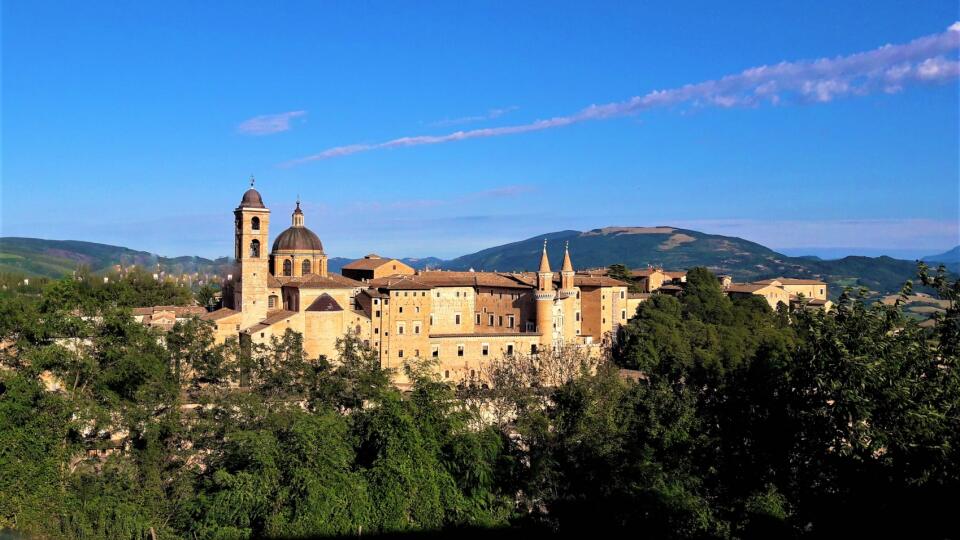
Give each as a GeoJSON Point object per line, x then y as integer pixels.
{"type": "Point", "coordinates": [745, 423]}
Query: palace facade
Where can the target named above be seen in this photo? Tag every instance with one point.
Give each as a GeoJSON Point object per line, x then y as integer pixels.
{"type": "Point", "coordinates": [461, 320]}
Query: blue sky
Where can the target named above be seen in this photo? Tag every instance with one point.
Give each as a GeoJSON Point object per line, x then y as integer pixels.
{"type": "Point", "coordinates": [139, 125]}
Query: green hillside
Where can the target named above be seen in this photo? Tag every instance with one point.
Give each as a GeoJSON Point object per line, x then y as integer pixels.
{"type": "Point", "coordinates": [673, 248]}
{"type": "Point", "coordinates": [56, 258]}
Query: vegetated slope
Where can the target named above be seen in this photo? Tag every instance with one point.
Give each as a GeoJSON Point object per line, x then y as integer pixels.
{"type": "Point", "coordinates": [56, 258]}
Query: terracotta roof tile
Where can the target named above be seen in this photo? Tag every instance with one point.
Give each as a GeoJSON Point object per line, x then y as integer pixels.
{"type": "Point", "coordinates": [324, 302]}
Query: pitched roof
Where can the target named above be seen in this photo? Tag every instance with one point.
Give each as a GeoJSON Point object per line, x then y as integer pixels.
{"type": "Point", "coordinates": [369, 263]}
{"type": "Point", "coordinates": [746, 287]}
{"type": "Point", "coordinates": [178, 311]}
{"type": "Point", "coordinates": [792, 281]}
{"type": "Point", "coordinates": [399, 282]}
{"type": "Point", "coordinates": [438, 278]}
{"type": "Point", "coordinates": [221, 313]}
{"type": "Point", "coordinates": [314, 281]}
{"type": "Point", "coordinates": [324, 302]}
{"type": "Point", "coordinates": [273, 317]}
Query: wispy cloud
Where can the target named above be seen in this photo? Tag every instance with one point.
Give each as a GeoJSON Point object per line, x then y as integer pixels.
{"type": "Point", "coordinates": [889, 69]}
{"type": "Point", "coordinates": [492, 114]}
{"type": "Point", "coordinates": [267, 124]}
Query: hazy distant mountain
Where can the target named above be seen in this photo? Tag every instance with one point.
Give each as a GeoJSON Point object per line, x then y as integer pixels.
{"type": "Point", "coordinates": [56, 258]}
{"type": "Point", "coordinates": [674, 248]}
{"type": "Point", "coordinates": [951, 256]}
{"type": "Point", "coordinates": [635, 247]}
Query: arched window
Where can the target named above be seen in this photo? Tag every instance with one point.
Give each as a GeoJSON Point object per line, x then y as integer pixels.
{"type": "Point", "coordinates": [255, 224]}
{"type": "Point", "coordinates": [255, 249]}
{"type": "Point", "coordinates": [305, 267]}
{"type": "Point", "coordinates": [287, 268]}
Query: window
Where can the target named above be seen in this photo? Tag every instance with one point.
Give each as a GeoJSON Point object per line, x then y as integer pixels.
{"type": "Point", "coordinates": [478, 318]}
{"type": "Point", "coordinates": [459, 350]}
{"type": "Point", "coordinates": [272, 302]}
{"type": "Point", "coordinates": [578, 316]}
{"type": "Point", "coordinates": [400, 329]}
{"type": "Point", "coordinates": [416, 328]}
{"type": "Point", "coordinates": [287, 268]}
{"type": "Point", "coordinates": [405, 293]}
{"type": "Point", "coordinates": [416, 309]}
{"type": "Point", "coordinates": [255, 223]}
{"type": "Point", "coordinates": [376, 330]}
{"type": "Point", "coordinates": [431, 319]}
{"type": "Point", "coordinates": [509, 348]}
{"type": "Point", "coordinates": [578, 295]}
{"type": "Point", "coordinates": [604, 320]}
{"type": "Point", "coordinates": [622, 295]}
{"type": "Point", "coordinates": [456, 318]}
{"type": "Point", "coordinates": [533, 348]}
{"type": "Point", "coordinates": [623, 314]}
{"type": "Point", "coordinates": [490, 320]}
{"type": "Point", "coordinates": [485, 349]}
{"type": "Point", "coordinates": [401, 309]}
{"type": "Point", "coordinates": [446, 374]}
{"type": "Point", "coordinates": [400, 353]}
{"type": "Point", "coordinates": [435, 351]}
{"type": "Point", "coordinates": [500, 320]}
{"type": "Point", "coordinates": [305, 267]}
{"type": "Point", "coordinates": [377, 313]}
{"type": "Point", "coordinates": [511, 322]}
{"type": "Point", "coordinates": [254, 249]}
{"type": "Point", "coordinates": [376, 301]}
{"type": "Point", "coordinates": [458, 294]}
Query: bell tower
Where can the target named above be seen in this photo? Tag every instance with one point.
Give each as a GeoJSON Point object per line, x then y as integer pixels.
{"type": "Point", "coordinates": [251, 234]}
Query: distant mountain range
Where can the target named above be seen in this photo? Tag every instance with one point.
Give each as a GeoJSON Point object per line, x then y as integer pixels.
{"type": "Point", "coordinates": [635, 247]}
{"type": "Point", "coordinates": [947, 257]}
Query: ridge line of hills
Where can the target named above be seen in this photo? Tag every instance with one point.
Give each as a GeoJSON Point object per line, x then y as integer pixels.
{"type": "Point", "coordinates": [668, 247]}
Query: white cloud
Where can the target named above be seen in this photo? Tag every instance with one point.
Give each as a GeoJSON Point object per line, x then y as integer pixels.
{"type": "Point", "coordinates": [888, 69]}
{"type": "Point", "coordinates": [268, 124]}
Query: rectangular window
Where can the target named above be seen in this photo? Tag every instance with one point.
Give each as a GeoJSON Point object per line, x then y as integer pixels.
{"type": "Point", "coordinates": [622, 295]}
{"type": "Point", "coordinates": [509, 348]}
{"type": "Point", "coordinates": [401, 309]}
{"type": "Point", "coordinates": [417, 309]}
{"type": "Point", "coordinates": [490, 320]}
{"type": "Point", "coordinates": [456, 319]}
{"type": "Point", "coordinates": [404, 293]}
{"type": "Point", "coordinates": [376, 301]}
{"type": "Point", "coordinates": [431, 319]}
{"type": "Point", "coordinates": [416, 328]}
{"type": "Point", "coordinates": [486, 349]}
{"type": "Point", "coordinates": [377, 314]}
{"type": "Point", "coordinates": [459, 350]}
{"type": "Point", "coordinates": [500, 320]}
{"type": "Point", "coordinates": [435, 351]}
{"type": "Point", "coordinates": [478, 319]}
{"type": "Point", "coordinates": [376, 330]}
{"type": "Point", "coordinates": [533, 348]}
{"type": "Point", "coordinates": [578, 316]}
{"type": "Point", "coordinates": [510, 321]}
{"type": "Point", "coordinates": [400, 328]}
{"type": "Point", "coordinates": [623, 314]}
{"type": "Point", "coordinates": [400, 353]}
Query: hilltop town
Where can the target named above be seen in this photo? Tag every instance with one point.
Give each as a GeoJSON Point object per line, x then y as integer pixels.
{"type": "Point", "coordinates": [459, 320]}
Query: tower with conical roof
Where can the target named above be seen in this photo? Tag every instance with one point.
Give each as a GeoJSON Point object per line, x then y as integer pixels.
{"type": "Point", "coordinates": [545, 297]}
{"type": "Point", "coordinates": [569, 300]}
{"type": "Point", "coordinates": [251, 233]}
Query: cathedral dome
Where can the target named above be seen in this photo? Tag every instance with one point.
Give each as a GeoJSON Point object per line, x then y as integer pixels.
{"type": "Point", "coordinates": [297, 239]}
{"type": "Point", "coordinates": [251, 199]}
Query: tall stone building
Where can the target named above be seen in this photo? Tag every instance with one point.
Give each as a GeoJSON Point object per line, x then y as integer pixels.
{"type": "Point", "coordinates": [460, 320]}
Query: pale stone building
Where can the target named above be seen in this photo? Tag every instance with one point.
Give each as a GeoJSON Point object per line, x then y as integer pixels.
{"type": "Point", "coordinates": [460, 320]}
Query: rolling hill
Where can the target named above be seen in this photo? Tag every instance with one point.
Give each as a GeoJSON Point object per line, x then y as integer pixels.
{"type": "Point", "coordinates": [674, 248]}
{"type": "Point", "coordinates": [947, 257]}
{"type": "Point", "coordinates": [636, 247]}
{"type": "Point", "coordinates": [56, 258]}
